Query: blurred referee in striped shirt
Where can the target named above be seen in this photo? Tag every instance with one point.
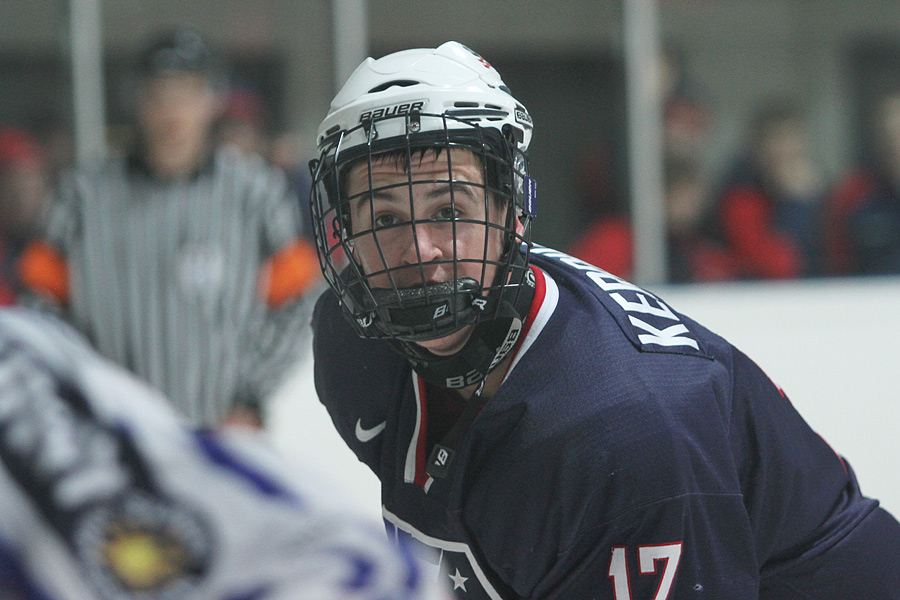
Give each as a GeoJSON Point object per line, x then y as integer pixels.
{"type": "Point", "coordinates": [181, 261]}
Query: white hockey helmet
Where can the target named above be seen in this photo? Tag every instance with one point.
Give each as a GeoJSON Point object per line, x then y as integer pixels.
{"type": "Point", "coordinates": [409, 101]}
{"type": "Point", "coordinates": [449, 80]}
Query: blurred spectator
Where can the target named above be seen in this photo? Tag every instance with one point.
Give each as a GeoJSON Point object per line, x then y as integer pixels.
{"type": "Point", "coordinates": [609, 242]}
{"type": "Point", "coordinates": [182, 261]}
{"type": "Point", "coordinates": [23, 199]}
{"type": "Point", "coordinates": [768, 214]}
{"type": "Point", "coordinates": [605, 240]}
{"type": "Point", "coordinates": [863, 217]}
{"type": "Point", "coordinates": [287, 153]}
{"type": "Point", "coordinates": [598, 196]}
{"type": "Point", "coordinates": [246, 124]}
{"type": "Point", "coordinates": [54, 136]}
{"type": "Point", "coordinates": [244, 121]}
{"type": "Point", "coordinates": [686, 112]}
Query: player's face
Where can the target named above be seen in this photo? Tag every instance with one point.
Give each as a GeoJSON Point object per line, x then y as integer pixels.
{"type": "Point", "coordinates": [390, 233]}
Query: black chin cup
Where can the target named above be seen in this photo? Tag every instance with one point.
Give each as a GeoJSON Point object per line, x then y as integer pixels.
{"type": "Point", "coordinates": [491, 341]}
{"type": "Point", "coordinates": [488, 345]}
{"type": "Point", "coordinates": [425, 312]}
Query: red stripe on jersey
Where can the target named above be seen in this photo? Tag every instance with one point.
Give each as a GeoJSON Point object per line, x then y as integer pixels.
{"type": "Point", "coordinates": [540, 291]}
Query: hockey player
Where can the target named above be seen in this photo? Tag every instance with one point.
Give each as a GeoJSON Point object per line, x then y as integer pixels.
{"type": "Point", "coordinates": [555, 431]}
{"type": "Point", "coordinates": [106, 495]}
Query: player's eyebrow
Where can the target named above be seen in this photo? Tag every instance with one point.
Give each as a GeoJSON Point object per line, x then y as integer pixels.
{"type": "Point", "coordinates": [454, 187]}
{"type": "Point", "coordinates": [390, 193]}
{"type": "Point", "coordinates": [361, 200]}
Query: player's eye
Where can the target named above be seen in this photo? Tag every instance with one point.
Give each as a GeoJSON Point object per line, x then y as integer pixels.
{"type": "Point", "coordinates": [385, 220]}
{"type": "Point", "coordinates": [448, 212]}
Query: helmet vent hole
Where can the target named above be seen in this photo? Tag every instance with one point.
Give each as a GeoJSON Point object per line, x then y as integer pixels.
{"type": "Point", "coordinates": [493, 106]}
{"type": "Point", "coordinates": [395, 83]}
{"type": "Point", "coordinates": [460, 104]}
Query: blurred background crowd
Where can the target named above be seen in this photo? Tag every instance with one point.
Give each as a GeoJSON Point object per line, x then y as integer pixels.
{"type": "Point", "coordinates": [780, 118]}
{"type": "Point", "coordinates": [181, 247]}
{"type": "Point", "coordinates": [779, 139]}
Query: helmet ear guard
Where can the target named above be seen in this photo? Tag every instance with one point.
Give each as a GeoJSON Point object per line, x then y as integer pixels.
{"type": "Point", "coordinates": [402, 107]}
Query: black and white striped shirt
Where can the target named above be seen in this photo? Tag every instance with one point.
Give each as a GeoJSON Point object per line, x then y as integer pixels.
{"type": "Point", "coordinates": [165, 277]}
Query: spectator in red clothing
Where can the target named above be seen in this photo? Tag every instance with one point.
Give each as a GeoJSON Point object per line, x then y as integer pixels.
{"type": "Point", "coordinates": [608, 243]}
{"type": "Point", "coordinates": [862, 225]}
{"type": "Point", "coordinates": [769, 211]}
{"type": "Point", "coordinates": [23, 198]}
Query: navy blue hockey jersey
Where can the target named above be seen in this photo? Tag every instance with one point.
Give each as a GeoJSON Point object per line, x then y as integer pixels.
{"type": "Point", "coordinates": [630, 454]}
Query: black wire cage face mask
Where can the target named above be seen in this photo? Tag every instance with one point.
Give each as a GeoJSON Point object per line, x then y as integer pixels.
{"type": "Point", "coordinates": [422, 234]}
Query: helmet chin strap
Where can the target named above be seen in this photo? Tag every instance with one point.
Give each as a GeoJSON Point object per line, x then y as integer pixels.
{"type": "Point", "coordinates": [490, 342]}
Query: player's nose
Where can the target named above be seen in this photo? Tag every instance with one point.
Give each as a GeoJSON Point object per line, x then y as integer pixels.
{"type": "Point", "coordinates": [425, 244]}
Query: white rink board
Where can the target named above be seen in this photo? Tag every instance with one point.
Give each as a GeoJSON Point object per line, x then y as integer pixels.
{"type": "Point", "coordinates": [833, 346]}
{"type": "Point", "coordinates": [300, 426]}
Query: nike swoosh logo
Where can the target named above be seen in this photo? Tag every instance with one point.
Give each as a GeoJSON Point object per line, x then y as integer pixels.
{"type": "Point", "coordinates": [367, 435]}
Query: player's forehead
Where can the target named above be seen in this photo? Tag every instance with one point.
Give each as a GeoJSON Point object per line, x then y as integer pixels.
{"type": "Point", "coordinates": [456, 164]}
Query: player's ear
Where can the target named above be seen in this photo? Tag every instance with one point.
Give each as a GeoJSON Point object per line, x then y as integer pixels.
{"type": "Point", "coordinates": [520, 227]}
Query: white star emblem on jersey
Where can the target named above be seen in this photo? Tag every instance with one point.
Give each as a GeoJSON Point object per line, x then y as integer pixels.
{"type": "Point", "coordinates": [458, 581]}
